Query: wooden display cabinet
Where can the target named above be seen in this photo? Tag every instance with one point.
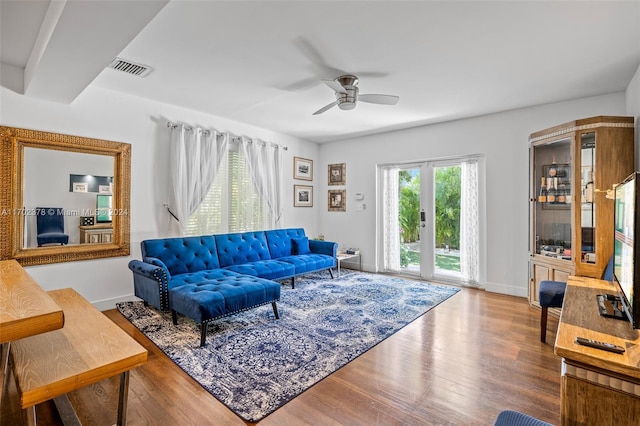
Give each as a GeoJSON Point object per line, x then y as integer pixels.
{"type": "Point", "coordinates": [572, 166]}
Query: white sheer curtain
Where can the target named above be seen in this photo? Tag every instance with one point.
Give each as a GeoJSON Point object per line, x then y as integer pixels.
{"type": "Point", "coordinates": [195, 157]}
{"type": "Point", "coordinates": [391, 227]}
{"type": "Point", "coordinates": [469, 223]}
{"type": "Point", "coordinates": [264, 161]}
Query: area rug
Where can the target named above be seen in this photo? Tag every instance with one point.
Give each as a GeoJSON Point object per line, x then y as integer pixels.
{"type": "Point", "coordinates": [254, 364]}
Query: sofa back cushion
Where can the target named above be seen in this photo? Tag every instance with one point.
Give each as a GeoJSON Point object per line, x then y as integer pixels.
{"type": "Point", "coordinates": [182, 255]}
{"type": "Point", "coordinates": [239, 248]}
{"type": "Point", "coordinates": [279, 240]}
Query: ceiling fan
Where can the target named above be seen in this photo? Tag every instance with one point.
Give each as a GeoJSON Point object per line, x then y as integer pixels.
{"type": "Point", "coordinates": [346, 88]}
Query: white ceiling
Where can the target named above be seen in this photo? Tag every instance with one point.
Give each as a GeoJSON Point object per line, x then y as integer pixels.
{"type": "Point", "coordinates": [260, 62]}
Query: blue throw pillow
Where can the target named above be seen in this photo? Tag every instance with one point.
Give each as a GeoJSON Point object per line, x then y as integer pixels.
{"type": "Point", "coordinates": [300, 245]}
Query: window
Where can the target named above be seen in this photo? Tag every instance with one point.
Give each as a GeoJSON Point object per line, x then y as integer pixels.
{"type": "Point", "coordinates": [232, 204]}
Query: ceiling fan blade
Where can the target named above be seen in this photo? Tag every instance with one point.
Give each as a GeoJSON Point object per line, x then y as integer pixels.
{"type": "Point", "coordinates": [324, 108]}
{"type": "Point", "coordinates": [305, 84]}
{"type": "Point", "coordinates": [335, 86]}
{"type": "Point", "coordinates": [365, 74]}
{"type": "Point", "coordinates": [318, 62]}
{"type": "Point", "coordinates": [379, 99]}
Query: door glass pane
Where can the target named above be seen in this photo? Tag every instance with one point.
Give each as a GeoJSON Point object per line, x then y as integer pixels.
{"type": "Point", "coordinates": [553, 196]}
{"type": "Point", "coordinates": [447, 220]}
{"type": "Point", "coordinates": [409, 219]}
{"type": "Point", "coordinates": [588, 205]}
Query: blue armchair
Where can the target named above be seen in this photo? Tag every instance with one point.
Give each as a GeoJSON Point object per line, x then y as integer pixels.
{"type": "Point", "coordinates": [50, 224]}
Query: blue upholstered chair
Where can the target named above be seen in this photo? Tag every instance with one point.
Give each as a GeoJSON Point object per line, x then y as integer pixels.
{"type": "Point", "coordinates": [50, 224]}
{"type": "Point", "coordinates": [551, 295]}
{"type": "Point", "coordinates": [514, 418]}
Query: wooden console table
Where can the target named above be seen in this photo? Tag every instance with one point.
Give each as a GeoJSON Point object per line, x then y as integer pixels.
{"type": "Point", "coordinates": [597, 387]}
{"type": "Point", "coordinates": [96, 234]}
{"type": "Point", "coordinates": [89, 348]}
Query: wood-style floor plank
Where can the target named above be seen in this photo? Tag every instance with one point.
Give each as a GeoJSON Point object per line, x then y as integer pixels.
{"type": "Point", "coordinates": [463, 362]}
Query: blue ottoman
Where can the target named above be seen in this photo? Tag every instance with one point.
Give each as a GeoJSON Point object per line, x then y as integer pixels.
{"type": "Point", "coordinates": [208, 300]}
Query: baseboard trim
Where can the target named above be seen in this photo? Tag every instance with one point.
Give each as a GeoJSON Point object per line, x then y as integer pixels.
{"type": "Point", "coordinates": [106, 304]}
{"type": "Point", "coordinates": [511, 290]}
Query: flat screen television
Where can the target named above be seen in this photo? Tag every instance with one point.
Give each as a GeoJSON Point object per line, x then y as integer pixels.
{"type": "Point", "coordinates": [626, 271]}
{"type": "Point", "coordinates": [103, 208]}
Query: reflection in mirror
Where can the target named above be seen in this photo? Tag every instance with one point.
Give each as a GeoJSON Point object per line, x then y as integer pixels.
{"type": "Point", "coordinates": [47, 184]}
{"type": "Point", "coordinates": [587, 207]}
{"type": "Point", "coordinates": [35, 172]}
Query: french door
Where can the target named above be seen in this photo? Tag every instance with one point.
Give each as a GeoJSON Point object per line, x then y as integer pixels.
{"type": "Point", "coordinates": [430, 219]}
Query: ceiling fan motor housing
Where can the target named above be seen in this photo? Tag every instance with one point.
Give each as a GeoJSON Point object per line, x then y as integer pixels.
{"type": "Point", "coordinates": [347, 101]}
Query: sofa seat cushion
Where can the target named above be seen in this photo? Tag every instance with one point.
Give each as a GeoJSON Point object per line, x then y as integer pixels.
{"type": "Point", "coordinates": [215, 298]}
{"type": "Point", "coordinates": [304, 263]}
{"type": "Point", "coordinates": [201, 276]}
{"type": "Point", "coordinates": [269, 269]}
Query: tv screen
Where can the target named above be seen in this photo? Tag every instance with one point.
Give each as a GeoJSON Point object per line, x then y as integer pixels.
{"type": "Point", "coordinates": [626, 222]}
{"type": "Point", "coordinates": [103, 208]}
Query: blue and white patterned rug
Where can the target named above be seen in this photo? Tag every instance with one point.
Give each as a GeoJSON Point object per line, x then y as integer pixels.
{"type": "Point", "coordinates": [254, 364]}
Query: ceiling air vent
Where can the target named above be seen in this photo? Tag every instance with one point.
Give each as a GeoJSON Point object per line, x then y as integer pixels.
{"type": "Point", "coordinates": [130, 67]}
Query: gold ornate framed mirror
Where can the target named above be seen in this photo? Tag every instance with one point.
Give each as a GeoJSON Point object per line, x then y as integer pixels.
{"type": "Point", "coordinates": [40, 175]}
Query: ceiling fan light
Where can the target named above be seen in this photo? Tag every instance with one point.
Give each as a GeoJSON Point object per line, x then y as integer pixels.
{"type": "Point", "coordinates": [347, 105]}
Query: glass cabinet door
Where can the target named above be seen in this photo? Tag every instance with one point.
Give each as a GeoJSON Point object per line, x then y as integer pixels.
{"type": "Point", "coordinates": [552, 199]}
{"type": "Point", "coordinates": [587, 197]}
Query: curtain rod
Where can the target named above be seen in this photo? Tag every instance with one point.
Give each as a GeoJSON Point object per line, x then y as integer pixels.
{"type": "Point", "coordinates": [234, 138]}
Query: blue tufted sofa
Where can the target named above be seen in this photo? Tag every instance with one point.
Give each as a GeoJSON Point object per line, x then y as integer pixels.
{"type": "Point", "coordinates": [212, 276]}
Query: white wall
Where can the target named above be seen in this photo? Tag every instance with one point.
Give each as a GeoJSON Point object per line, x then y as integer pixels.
{"type": "Point", "coordinates": [503, 140]}
{"type": "Point", "coordinates": [633, 109]}
{"type": "Point", "coordinates": [103, 114]}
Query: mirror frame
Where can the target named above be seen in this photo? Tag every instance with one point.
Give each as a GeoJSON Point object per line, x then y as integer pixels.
{"type": "Point", "coordinates": [13, 141]}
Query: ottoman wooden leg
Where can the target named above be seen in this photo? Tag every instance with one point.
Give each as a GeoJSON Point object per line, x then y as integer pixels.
{"type": "Point", "coordinates": [275, 310]}
{"type": "Point", "coordinates": [203, 334]}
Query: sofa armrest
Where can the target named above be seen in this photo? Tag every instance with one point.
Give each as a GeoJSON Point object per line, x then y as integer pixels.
{"type": "Point", "coordinates": [324, 247]}
{"type": "Point", "coordinates": [151, 282]}
{"type": "Point", "coordinates": [157, 263]}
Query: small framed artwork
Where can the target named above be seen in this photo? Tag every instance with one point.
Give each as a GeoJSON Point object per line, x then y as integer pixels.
{"type": "Point", "coordinates": [104, 189]}
{"type": "Point", "coordinates": [80, 187]}
{"type": "Point", "coordinates": [338, 174]}
{"type": "Point", "coordinates": [337, 200]}
{"type": "Point", "coordinates": [302, 168]}
{"type": "Point", "coordinates": [302, 196]}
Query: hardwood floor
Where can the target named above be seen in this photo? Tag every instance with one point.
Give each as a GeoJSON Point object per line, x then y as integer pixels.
{"type": "Point", "coordinates": [474, 355]}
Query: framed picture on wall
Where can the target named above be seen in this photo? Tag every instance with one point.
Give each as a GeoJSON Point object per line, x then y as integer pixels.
{"type": "Point", "coordinates": [80, 187]}
{"type": "Point", "coordinates": [302, 168]}
{"type": "Point", "coordinates": [302, 196]}
{"type": "Point", "coordinates": [338, 174]}
{"type": "Point", "coordinates": [337, 200]}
